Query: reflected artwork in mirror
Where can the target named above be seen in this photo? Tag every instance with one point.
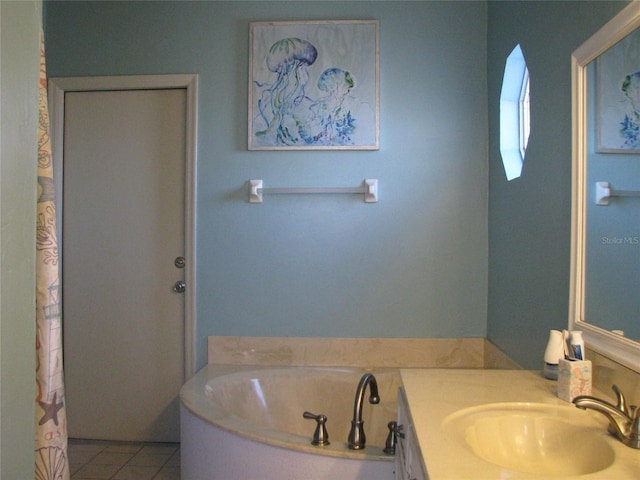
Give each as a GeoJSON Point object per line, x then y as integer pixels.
{"type": "Point", "coordinates": [605, 263]}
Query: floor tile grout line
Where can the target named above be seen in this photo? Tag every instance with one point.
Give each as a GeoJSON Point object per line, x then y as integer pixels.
{"type": "Point", "coordinates": [173, 446]}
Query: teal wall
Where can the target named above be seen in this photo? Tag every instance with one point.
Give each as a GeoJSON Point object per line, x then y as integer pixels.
{"type": "Point", "coordinates": [412, 265]}
{"type": "Point", "coordinates": [613, 234]}
{"type": "Point", "coordinates": [438, 256]}
{"type": "Point", "coordinates": [20, 24]}
{"type": "Point", "coordinates": [530, 217]}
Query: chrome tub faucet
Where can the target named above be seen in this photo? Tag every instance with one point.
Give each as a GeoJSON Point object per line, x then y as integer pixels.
{"type": "Point", "coordinates": [624, 422]}
{"type": "Point", "coordinates": [357, 439]}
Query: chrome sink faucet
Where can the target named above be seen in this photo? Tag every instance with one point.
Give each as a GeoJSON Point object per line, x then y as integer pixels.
{"type": "Point", "coordinates": [357, 437]}
{"type": "Point", "coordinates": [624, 422]}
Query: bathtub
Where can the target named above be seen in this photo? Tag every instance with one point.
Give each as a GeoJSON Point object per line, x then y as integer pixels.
{"type": "Point", "coordinates": [246, 423]}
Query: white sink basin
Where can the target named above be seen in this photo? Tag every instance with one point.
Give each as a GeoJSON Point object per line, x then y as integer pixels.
{"type": "Point", "coordinates": [533, 438]}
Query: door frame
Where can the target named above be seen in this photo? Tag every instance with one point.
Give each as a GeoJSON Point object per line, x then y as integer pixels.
{"type": "Point", "coordinates": [57, 87]}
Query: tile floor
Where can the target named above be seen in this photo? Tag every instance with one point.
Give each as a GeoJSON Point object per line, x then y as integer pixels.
{"type": "Point", "coordinates": [99, 460]}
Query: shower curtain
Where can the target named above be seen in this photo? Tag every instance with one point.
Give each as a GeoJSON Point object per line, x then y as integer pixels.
{"type": "Point", "coordinates": [51, 461]}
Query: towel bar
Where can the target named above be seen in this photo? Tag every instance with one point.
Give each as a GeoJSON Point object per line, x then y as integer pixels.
{"type": "Point", "coordinates": [369, 189]}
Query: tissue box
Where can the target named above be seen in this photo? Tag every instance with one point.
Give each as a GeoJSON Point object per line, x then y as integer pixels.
{"type": "Point", "coordinates": [574, 378]}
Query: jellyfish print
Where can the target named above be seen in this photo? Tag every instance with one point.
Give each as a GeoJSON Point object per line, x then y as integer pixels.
{"type": "Point", "coordinates": [332, 122]}
{"type": "Point", "coordinates": [281, 102]}
{"type": "Point", "coordinates": [630, 125]}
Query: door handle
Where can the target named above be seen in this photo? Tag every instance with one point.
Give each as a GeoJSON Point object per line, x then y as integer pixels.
{"type": "Point", "coordinates": [179, 286]}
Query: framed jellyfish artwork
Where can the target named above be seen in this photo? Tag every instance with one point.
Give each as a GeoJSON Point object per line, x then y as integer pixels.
{"type": "Point", "coordinates": [618, 96]}
{"type": "Point", "coordinates": [314, 85]}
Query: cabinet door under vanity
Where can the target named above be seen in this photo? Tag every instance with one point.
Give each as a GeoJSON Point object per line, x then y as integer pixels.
{"type": "Point", "coordinates": [409, 463]}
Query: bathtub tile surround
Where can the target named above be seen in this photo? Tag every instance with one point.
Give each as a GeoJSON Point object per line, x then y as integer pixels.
{"type": "Point", "coordinates": [357, 352]}
{"type": "Point", "coordinates": [495, 358]}
{"type": "Point", "coordinates": [123, 460]}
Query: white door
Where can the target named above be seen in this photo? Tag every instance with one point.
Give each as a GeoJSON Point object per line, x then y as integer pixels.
{"type": "Point", "coordinates": [123, 229]}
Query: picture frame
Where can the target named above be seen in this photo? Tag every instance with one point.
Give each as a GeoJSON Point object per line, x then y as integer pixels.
{"type": "Point", "coordinates": [618, 97]}
{"type": "Point", "coordinates": [314, 85]}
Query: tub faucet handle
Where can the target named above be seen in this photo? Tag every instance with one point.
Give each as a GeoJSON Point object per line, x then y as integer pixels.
{"type": "Point", "coordinates": [320, 436]}
{"type": "Point", "coordinates": [392, 438]}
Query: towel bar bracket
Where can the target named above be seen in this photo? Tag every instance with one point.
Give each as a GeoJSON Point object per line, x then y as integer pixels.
{"type": "Point", "coordinates": [604, 192]}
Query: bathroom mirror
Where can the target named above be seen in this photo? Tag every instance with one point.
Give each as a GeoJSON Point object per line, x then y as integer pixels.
{"type": "Point", "coordinates": [605, 242]}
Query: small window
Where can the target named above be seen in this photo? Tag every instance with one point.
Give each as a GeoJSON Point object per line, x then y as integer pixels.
{"type": "Point", "coordinates": [514, 113]}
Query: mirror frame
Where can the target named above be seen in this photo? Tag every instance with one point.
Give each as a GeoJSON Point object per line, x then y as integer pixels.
{"type": "Point", "coordinates": [615, 347]}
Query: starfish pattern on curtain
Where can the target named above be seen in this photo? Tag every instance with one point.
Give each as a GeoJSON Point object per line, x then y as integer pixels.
{"type": "Point", "coordinates": [51, 461]}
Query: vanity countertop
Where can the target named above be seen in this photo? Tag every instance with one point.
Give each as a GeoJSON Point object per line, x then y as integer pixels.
{"type": "Point", "coordinates": [434, 394]}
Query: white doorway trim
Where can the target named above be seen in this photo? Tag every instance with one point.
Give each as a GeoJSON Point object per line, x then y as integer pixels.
{"type": "Point", "coordinates": [57, 89]}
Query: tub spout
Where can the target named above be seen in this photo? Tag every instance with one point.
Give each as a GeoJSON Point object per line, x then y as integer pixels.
{"type": "Point", "coordinates": [357, 439]}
